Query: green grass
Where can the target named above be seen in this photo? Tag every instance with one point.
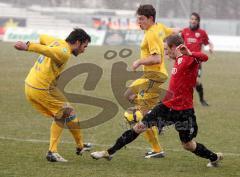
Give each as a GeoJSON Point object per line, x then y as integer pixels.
{"type": "Point", "coordinates": [24, 133]}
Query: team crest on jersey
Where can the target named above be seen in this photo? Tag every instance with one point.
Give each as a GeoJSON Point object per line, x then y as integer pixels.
{"type": "Point", "coordinates": [197, 34]}
{"type": "Point", "coordinates": [64, 50]}
{"type": "Point", "coordinates": [179, 61]}
{"type": "Point", "coordinates": [174, 71]}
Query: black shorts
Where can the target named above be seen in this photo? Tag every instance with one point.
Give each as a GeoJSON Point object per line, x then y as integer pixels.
{"type": "Point", "coordinates": [184, 121]}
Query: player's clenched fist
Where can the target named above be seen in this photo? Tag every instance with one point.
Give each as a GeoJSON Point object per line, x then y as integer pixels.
{"type": "Point", "coordinates": [21, 45]}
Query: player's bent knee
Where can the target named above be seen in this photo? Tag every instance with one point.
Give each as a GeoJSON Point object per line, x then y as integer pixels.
{"type": "Point", "coordinates": [65, 113]}
{"type": "Point", "coordinates": [68, 111]}
{"type": "Point", "coordinates": [140, 127]}
{"type": "Point", "coordinates": [189, 146]}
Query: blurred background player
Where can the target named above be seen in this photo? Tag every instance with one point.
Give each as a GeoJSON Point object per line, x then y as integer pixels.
{"type": "Point", "coordinates": [194, 38]}
{"type": "Point", "coordinates": [41, 90]}
{"type": "Point", "coordinates": [176, 108]}
{"type": "Point", "coordinates": [145, 91]}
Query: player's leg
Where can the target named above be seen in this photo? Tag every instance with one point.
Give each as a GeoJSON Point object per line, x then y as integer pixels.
{"type": "Point", "coordinates": [55, 135]}
{"type": "Point", "coordinates": [150, 96]}
{"type": "Point", "coordinates": [133, 116]}
{"type": "Point", "coordinates": [199, 88]}
{"type": "Point", "coordinates": [145, 94]}
{"type": "Point", "coordinates": [126, 138]}
{"type": "Point", "coordinates": [65, 116]}
{"type": "Point", "coordinates": [151, 135]}
{"type": "Point", "coordinates": [188, 129]}
{"type": "Point", "coordinates": [69, 120]}
{"type": "Point", "coordinates": [53, 104]}
{"type": "Point", "coordinates": [36, 97]}
{"type": "Point", "coordinates": [150, 119]}
{"type": "Point", "coordinates": [136, 94]}
{"type": "Point", "coordinates": [202, 151]}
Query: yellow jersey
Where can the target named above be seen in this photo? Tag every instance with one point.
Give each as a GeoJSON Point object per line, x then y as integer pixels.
{"type": "Point", "coordinates": [152, 43]}
{"type": "Point", "coordinates": [54, 56]}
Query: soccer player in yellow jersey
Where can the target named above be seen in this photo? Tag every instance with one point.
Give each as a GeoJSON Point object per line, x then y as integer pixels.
{"type": "Point", "coordinates": [145, 91]}
{"type": "Point", "coordinates": [41, 90]}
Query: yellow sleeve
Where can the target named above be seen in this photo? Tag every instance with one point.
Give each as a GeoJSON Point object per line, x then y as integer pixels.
{"type": "Point", "coordinates": [168, 31]}
{"type": "Point", "coordinates": [57, 53]}
{"type": "Point", "coordinates": [46, 40]}
{"type": "Point", "coordinates": [153, 43]}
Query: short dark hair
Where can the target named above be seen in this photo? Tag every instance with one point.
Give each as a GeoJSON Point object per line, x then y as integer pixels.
{"type": "Point", "coordinates": [78, 34]}
{"type": "Point", "coordinates": [147, 10]}
{"type": "Point", "coordinates": [174, 39]}
{"type": "Point", "coordinates": [196, 15]}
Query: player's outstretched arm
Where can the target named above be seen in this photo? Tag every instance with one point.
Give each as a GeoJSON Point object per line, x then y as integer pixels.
{"type": "Point", "coordinates": [45, 39]}
{"type": "Point", "coordinates": [56, 53]}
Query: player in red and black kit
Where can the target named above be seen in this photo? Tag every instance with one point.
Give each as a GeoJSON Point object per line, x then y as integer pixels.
{"type": "Point", "coordinates": [176, 108]}
{"type": "Point", "coordinates": [194, 38]}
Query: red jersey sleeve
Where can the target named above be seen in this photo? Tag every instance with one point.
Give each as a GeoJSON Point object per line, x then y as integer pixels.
{"type": "Point", "coordinates": [200, 56]}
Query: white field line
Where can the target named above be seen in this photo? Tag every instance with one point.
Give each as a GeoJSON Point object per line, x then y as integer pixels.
{"type": "Point", "coordinates": [101, 145]}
